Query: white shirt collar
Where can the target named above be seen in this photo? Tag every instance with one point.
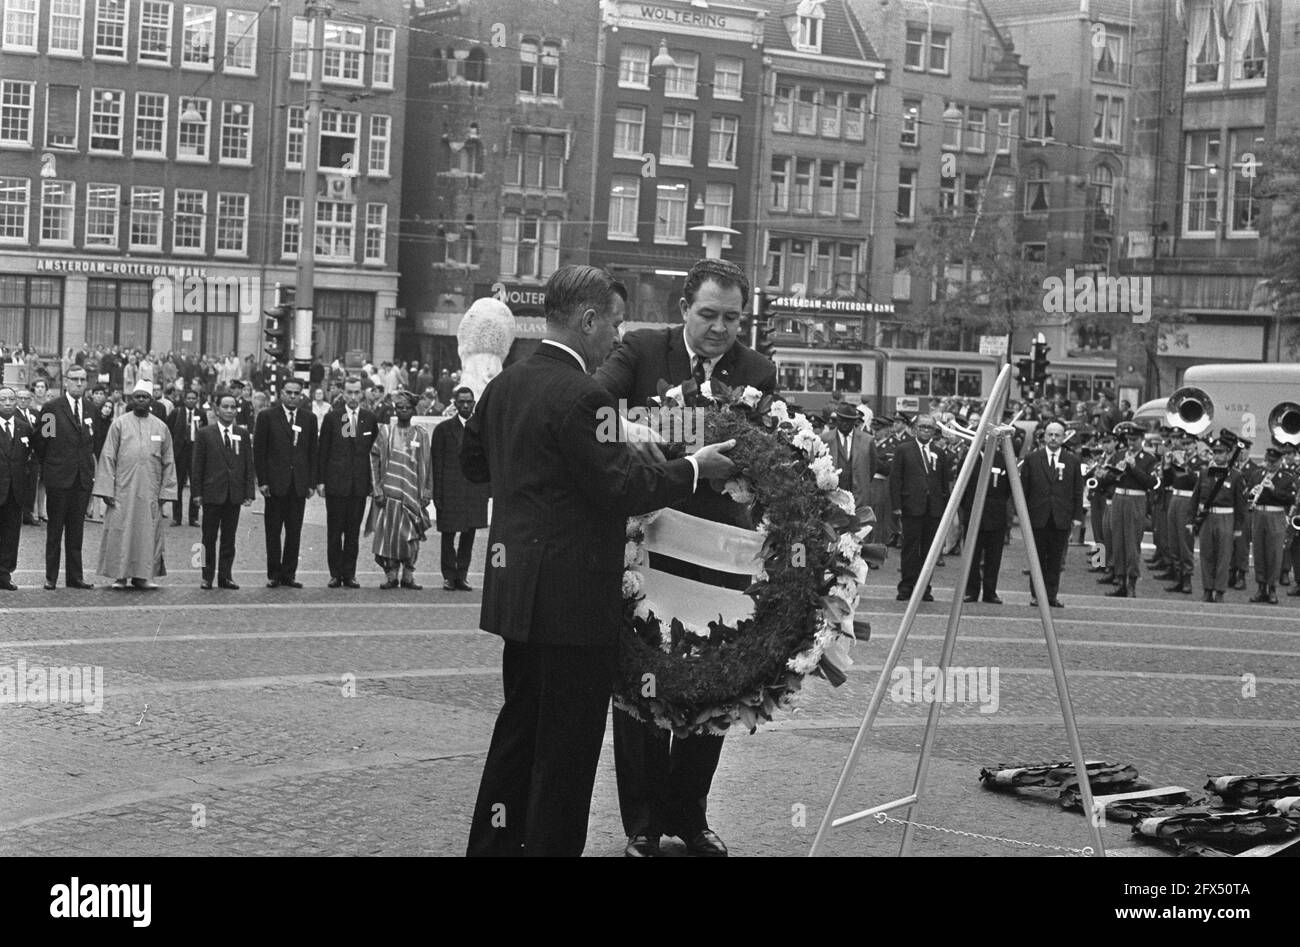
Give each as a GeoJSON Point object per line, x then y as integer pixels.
{"type": "Point", "coordinates": [560, 345]}
{"type": "Point", "coordinates": [691, 354]}
{"type": "Point", "coordinates": [72, 402]}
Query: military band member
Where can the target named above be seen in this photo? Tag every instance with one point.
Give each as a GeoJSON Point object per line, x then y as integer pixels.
{"type": "Point", "coordinates": [1136, 476]}
{"type": "Point", "coordinates": [1225, 512]}
{"type": "Point", "coordinates": [878, 491]}
{"type": "Point", "coordinates": [1183, 465]}
{"type": "Point", "coordinates": [1272, 492]}
{"type": "Point", "coordinates": [1250, 472]}
{"type": "Point", "coordinates": [1158, 504]}
{"type": "Point", "coordinates": [1099, 499]}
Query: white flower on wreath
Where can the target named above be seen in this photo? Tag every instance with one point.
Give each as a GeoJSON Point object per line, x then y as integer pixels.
{"type": "Point", "coordinates": [631, 555]}
{"type": "Point", "coordinates": [761, 575]}
{"type": "Point", "coordinates": [801, 422]}
{"type": "Point", "coordinates": [674, 394]}
{"type": "Point", "coordinates": [779, 411]}
{"type": "Point", "coordinates": [631, 583]}
{"type": "Point", "coordinates": [848, 547]}
{"type": "Point", "coordinates": [706, 389]}
{"type": "Point", "coordinates": [823, 468]}
{"type": "Point", "coordinates": [860, 569]}
{"type": "Point", "coordinates": [739, 490]}
{"type": "Point", "coordinates": [845, 501]}
{"type": "Point", "coordinates": [807, 442]}
{"type": "Point", "coordinates": [750, 396]}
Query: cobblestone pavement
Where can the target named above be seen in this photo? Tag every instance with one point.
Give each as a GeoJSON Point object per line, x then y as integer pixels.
{"type": "Point", "coordinates": [355, 722]}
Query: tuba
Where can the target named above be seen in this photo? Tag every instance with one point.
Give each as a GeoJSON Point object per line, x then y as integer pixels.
{"type": "Point", "coordinates": [1284, 422]}
{"type": "Point", "coordinates": [1192, 409]}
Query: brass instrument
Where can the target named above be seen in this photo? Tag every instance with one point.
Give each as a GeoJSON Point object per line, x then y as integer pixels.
{"type": "Point", "coordinates": [1284, 422]}
{"type": "Point", "coordinates": [1191, 409]}
{"type": "Point", "coordinates": [1258, 490]}
{"type": "Point", "coordinates": [1293, 518]}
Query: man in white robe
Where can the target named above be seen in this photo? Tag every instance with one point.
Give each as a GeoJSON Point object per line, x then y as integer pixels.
{"type": "Point", "coordinates": [136, 475]}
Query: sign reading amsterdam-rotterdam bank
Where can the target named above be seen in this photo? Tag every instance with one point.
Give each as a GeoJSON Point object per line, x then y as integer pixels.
{"type": "Point", "coordinates": [116, 267]}
{"type": "Point", "coordinates": [805, 304]}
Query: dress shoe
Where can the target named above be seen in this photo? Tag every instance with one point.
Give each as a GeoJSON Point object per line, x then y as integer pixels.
{"type": "Point", "coordinates": [706, 844]}
{"type": "Point", "coordinates": [463, 586]}
{"type": "Point", "coordinates": [1184, 586]}
{"type": "Point", "coordinates": [970, 598]}
{"type": "Point", "coordinates": [80, 585]}
{"type": "Point", "coordinates": [50, 586]}
{"type": "Point", "coordinates": [941, 562]}
{"type": "Point", "coordinates": [334, 583]}
{"type": "Point", "coordinates": [1209, 595]}
{"type": "Point", "coordinates": [992, 600]}
{"type": "Point", "coordinates": [1218, 595]}
{"type": "Point", "coordinates": [1056, 603]}
{"type": "Point", "coordinates": [272, 583]}
{"type": "Point", "coordinates": [291, 583]}
{"type": "Point", "coordinates": [449, 586]}
{"type": "Point", "coordinates": [144, 585]}
{"type": "Point", "coordinates": [194, 522]}
{"type": "Point", "coordinates": [1272, 596]}
{"type": "Point", "coordinates": [411, 584]}
{"type": "Point", "coordinates": [8, 586]}
{"type": "Point", "coordinates": [642, 846]}
{"type": "Point", "coordinates": [206, 585]}
{"type": "Point", "coordinates": [1121, 591]}
{"type": "Point", "coordinates": [927, 597]}
{"type": "Point", "coordinates": [1107, 579]}
{"type": "Point", "coordinates": [1239, 582]}
{"type": "Point", "coordinates": [227, 584]}
{"type": "Point", "coordinates": [1260, 596]}
{"type": "Point", "coordinates": [351, 584]}
{"type": "Point", "coordinates": [1166, 576]}
{"type": "Point", "coordinates": [120, 585]}
{"type": "Point", "coordinates": [390, 584]}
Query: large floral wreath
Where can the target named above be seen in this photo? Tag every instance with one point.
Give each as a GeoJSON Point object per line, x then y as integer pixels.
{"type": "Point", "coordinates": [702, 680]}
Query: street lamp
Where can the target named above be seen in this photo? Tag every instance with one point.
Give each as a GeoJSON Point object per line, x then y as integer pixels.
{"type": "Point", "coordinates": [662, 60]}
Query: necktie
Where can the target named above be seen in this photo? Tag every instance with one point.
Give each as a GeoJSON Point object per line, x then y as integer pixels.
{"type": "Point", "coordinates": [8, 433]}
{"type": "Point", "coordinates": [698, 372]}
{"type": "Point", "coordinates": [76, 405]}
{"type": "Point", "coordinates": [225, 435]}
{"type": "Point", "coordinates": [925, 458]}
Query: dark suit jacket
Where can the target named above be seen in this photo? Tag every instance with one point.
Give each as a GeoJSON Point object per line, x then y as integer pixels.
{"type": "Point", "coordinates": [561, 500]}
{"type": "Point", "coordinates": [1053, 502]}
{"type": "Point", "coordinates": [102, 424]}
{"type": "Point", "coordinates": [66, 449]}
{"type": "Point", "coordinates": [645, 356]}
{"type": "Point", "coordinates": [279, 463]}
{"type": "Point", "coordinates": [996, 501]}
{"type": "Point", "coordinates": [862, 455]}
{"type": "Point", "coordinates": [460, 505]}
{"type": "Point", "coordinates": [911, 489]}
{"type": "Point", "coordinates": [181, 442]}
{"type": "Point", "coordinates": [223, 476]}
{"type": "Point", "coordinates": [344, 462]}
{"type": "Point", "coordinates": [16, 460]}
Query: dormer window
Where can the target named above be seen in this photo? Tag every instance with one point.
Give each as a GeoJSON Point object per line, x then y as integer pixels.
{"type": "Point", "coordinates": [808, 26]}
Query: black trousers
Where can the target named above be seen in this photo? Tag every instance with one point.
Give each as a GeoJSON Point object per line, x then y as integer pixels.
{"type": "Point", "coordinates": [183, 481]}
{"type": "Point", "coordinates": [67, 512]}
{"type": "Point", "coordinates": [343, 516]}
{"type": "Point", "coordinates": [535, 795]}
{"type": "Point", "coordinates": [986, 562]}
{"type": "Point", "coordinates": [283, 513]}
{"type": "Point", "coordinates": [918, 536]}
{"type": "Point", "coordinates": [455, 561]}
{"type": "Point", "coordinates": [1051, 543]}
{"type": "Point", "coordinates": [663, 781]}
{"type": "Point", "coordinates": [11, 526]}
{"type": "Point", "coordinates": [223, 518]}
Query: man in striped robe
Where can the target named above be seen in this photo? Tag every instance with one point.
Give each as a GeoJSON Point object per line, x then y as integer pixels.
{"type": "Point", "coordinates": [400, 469]}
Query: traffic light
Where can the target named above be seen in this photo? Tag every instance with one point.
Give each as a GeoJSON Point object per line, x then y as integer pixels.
{"type": "Point", "coordinates": [1025, 374]}
{"type": "Point", "coordinates": [764, 326]}
{"type": "Point", "coordinates": [1040, 365]}
{"type": "Point", "coordinates": [276, 330]}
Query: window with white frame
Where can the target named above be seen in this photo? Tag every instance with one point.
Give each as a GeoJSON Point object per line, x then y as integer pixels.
{"type": "Point", "coordinates": [977, 121]}
{"type": "Point", "coordinates": [536, 160]}
{"type": "Point", "coordinates": [717, 208]}
{"type": "Point", "coordinates": [1243, 191]}
{"type": "Point", "coordinates": [624, 205]}
{"type": "Point", "coordinates": [198, 37]}
{"type": "Point", "coordinates": [681, 78]}
{"type": "Point", "coordinates": [850, 190]}
{"type": "Point", "coordinates": [1204, 43]}
{"type": "Point", "coordinates": [192, 129]}
{"type": "Point", "coordinates": [670, 211]}
{"type": "Point", "coordinates": [295, 142]}
{"type": "Point", "coordinates": [783, 109]}
{"type": "Point", "coordinates": [18, 31]}
{"type": "Point", "coordinates": [805, 111]}
{"type": "Point", "coordinates": [629, 132]}
{"type": "Point", "coordinates": [905, 210]}
{"type": "Point", "coordinates": [910, 134]}
{"type": "Point", "coordinates": [1101, 186]}
{"type": "Point", "coordinates": [67, 19]}
{"type": "Point", "coordinates": [345, 51]}
{"type": "Point", "coordinates": [155, 39]}
{"type": "Point", "coordinates": [232, 224]}
{"type": "Point", "coordinates": [236, 133]}
{"type": "Point", "coordinates": [1037, 189]}
{"type": "Point", "coordinates": [1040, 112]}
{"type": "Point", "coordinates": [106, 121]}
{"type": "Point", "coordinates": [678, 135]}
{"type": "Point", "coordinates": [16, 105]}
{"type": "Point", "coordinates": [1250, 42]}
{"type": "Point", "coordinates": [828, 178]}
{"type": "Point", "coordinates": [530, 246]}
{"type": "Point", "coordinates": [291, 232]}
{"type": "Point", "coordinates": [728, 76]}
{"type": "Point", "coordinates": [241, 43]}
{"type": "Point", "coordinates": [802, 195]}
{"type": "Point", "coordinates": [58, 211]}
{"type": "Point", "coordinates": [381, 61]}
{"type": "Point", "coordinates": [1201, 174]}
{"type": "Point", "coordinates": [539, 67]}
{"type": "Point", "coordinates": [110, 30]}
{"type": "Point", "coordinates": [724, 132]}
{"type": "Point", "coordinates": [926, 50]}
{"type": "Point", "coordinates": [145, 229]}
{"type": "Point", "coordinates": [848, 262]}
{"type": "Point", "coordinates": [375, 246]}
{"type": "Point", "coordinates": [189, 221]}
{"type": "Point", "coordinates": [381, 142]}
{"type": "Point", "coordinates": [902, 288]}
{"type": "Point", "coordinates": [952, 128]}
{"type": "Point", "coordinates": [335, 224]}
{"type": "Point", "coordinates": [1108, 119]}
{"type": "Point", "coordinates": [779, 189]}
{"type": "Point", "coordinates": [340, 139]}
{"type": "Point", "coordinates": [808, 28]}
{"type": "Point", "coordinates": [103, 207]}
{"type": "Point", "coordinates": [150, 125]}
{"type": "Point", "coordinates": [855, 114]}
{"type": "Point", "coordinates": [831, 113]}
{"type": "Point", "coordinates": [1008, 121]}
{"type": "Point", "coordinates": [1107, 52]}
{"type": "Point", "coordinates": [914, 48]}
{"type": "Point", "coordinates": [62, 116]}
{"type": "Point", "coordinates": [15, 201]}
{"type": "Point", "coordinates": [634, 67]}
{"type": "Point", "coordinates": [300, 50]}
{"type": "Point", "coordinates": [775, 262]}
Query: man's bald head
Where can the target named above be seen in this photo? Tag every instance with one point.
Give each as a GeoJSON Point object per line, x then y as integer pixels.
{"type": "Point", "coordinates": [1053, 435]}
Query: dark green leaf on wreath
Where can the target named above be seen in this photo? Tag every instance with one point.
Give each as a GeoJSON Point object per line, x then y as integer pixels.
{"type": "Point", "coordinates": [862, 630]}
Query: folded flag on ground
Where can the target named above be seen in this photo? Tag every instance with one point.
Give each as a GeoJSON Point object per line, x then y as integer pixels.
{"type": "Point", "coordinates": [1253, 791]}
{"type": "Point", "coordinates": [1111, 777]}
